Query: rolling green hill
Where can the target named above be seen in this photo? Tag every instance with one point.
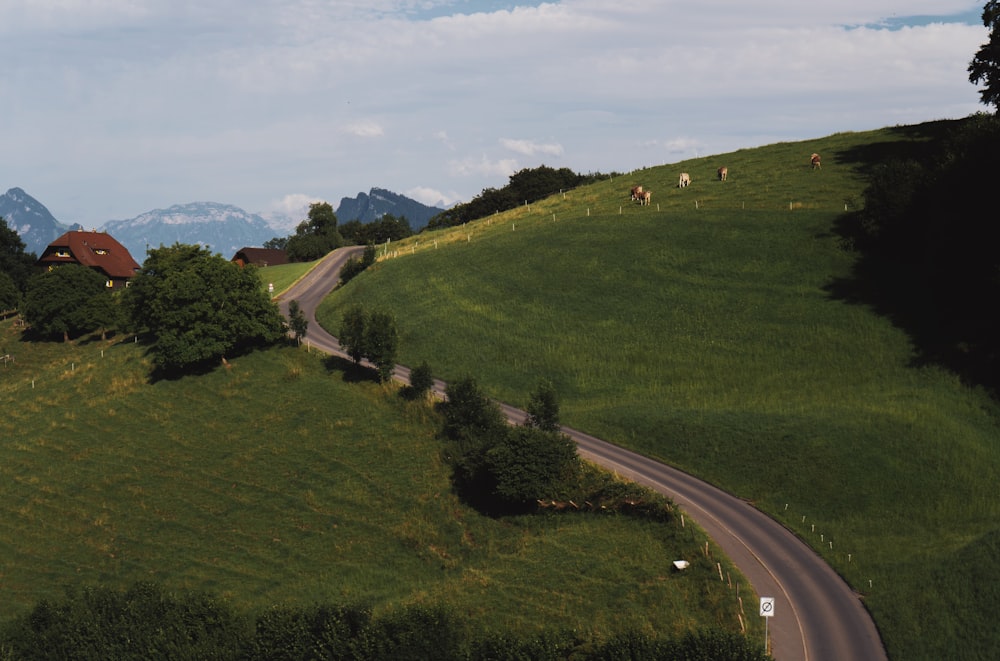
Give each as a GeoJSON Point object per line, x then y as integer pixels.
{"type": "Point", "coordinates": [284, 480]}
{"type": "Point", "coordinates": [708, 330]}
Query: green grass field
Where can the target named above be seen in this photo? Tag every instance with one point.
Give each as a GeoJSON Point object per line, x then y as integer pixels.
{"type": "Point", "coordinates": [282, 481]}
{"type": "Point", "coordinates": [705, 330]}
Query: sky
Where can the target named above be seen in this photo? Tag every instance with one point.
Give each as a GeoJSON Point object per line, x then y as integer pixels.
{"type": "Point", "coordinates": [112, 108]}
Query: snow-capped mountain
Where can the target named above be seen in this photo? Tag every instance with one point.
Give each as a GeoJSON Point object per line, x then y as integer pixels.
{"type": "Point", "coordinates": [223, 228]}
{"type": "Point", "coordinates": [31, 220]}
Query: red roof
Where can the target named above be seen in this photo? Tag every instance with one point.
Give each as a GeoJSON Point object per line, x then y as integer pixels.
{"type": "Point", "coordinates": [261, 256]}
{"type": "Point", "coordinates": [97, 250]}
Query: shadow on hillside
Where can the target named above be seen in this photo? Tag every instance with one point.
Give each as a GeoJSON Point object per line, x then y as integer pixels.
{"type": "Point", "coordinates": [930, 264]}
{"type": "Point", "coordinates": [351, 372]}
{"type": "Point", "coordinates": [953, 330]}
{"type": "Point", "coordinates": [911, 144]}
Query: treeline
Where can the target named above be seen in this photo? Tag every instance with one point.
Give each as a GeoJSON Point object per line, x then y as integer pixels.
{"type": "Point", "coordinates": [930, 241]}
{"type": "Point", "coordinates": [524, 187]}
{"type": "Point", "coordinates": [320, 233]}
{"type": "Point", "coordinates": [147, 622]}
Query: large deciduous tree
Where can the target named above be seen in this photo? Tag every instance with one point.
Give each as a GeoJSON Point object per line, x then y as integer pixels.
{"type": "Point", "coordinates": [199, 307]}
{"type": "Point", "coordinates": [315, 236]}
{"type": "Point", "coordinates": [985, 66]}
{"type": "Point", "coordinates": [382, 343]}
{"type": "Point", "coordinates": [352, 332]}
{"type": "Point", "coordinates": [14, 260]}
{"type": "Point", "coordinates": [68, 301]}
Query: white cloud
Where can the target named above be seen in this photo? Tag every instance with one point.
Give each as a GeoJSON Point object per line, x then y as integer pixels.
{"type": "Point", "coordinates": [483, 166]}
{"type": "Point", "coordinates": [529, 148]}
{"type": "Point", "coordinates": [365, 129]}
{"type": "Point", "coordinates": [431, 196]}
{"type": "Point", "coordinates": [152, 102]}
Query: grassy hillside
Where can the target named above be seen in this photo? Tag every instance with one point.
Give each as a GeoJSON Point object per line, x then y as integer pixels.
{"type": "Point", "coordinates": [707, 330]}
{"type": "Point", "coordinates": [279, 480]}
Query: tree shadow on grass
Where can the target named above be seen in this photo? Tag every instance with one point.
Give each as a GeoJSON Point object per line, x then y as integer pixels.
{"type": "Point", "coordinates": [351, 372]}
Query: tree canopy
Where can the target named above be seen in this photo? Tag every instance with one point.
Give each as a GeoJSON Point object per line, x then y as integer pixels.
{"type": "Point", "coordinates": [67, 301]}
{"type": "Point", "coordinates": [14, 260]}
{"type": "Point", "coordinates": [315, 236]}
{"type": "Point", "coordinates": [985, 66]}
{"type": "Point", "coordinates": [198, 307]}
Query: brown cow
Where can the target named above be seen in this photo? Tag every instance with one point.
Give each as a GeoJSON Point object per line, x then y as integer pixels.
{"type": "Point", "coordinates": [636, 192]}
{"type": "Point", "coordinates": [723, 173]}
{"type": "Point", "coordinates": [684, 180]}
{"type": "Point", "coordinates": [814, 160]}
{"type": "Point", "coordinates": [645, 197]}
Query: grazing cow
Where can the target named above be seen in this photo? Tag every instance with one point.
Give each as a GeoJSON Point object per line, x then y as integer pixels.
{"type": "Point", "coordinates": [636, 192]}
{"type": "Point", "coordinates": [814, 160]}
{"type": "Point", "coordinates": [645, 197]}
{"type": "Point", "coordinates": [684, 180]}
{"type": "Point", "coordinates": [723, 173]}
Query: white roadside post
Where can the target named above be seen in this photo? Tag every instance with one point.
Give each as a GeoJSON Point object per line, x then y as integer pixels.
{"type": "Point", "coordinates": [766, 611]}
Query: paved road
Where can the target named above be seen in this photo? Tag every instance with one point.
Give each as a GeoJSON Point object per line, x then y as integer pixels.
{"type": "Point", "coordinates": [817, 617]}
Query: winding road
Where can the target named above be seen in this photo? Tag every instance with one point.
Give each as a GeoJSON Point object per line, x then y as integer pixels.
{"type": "Point", "coordinates": [817, 617]}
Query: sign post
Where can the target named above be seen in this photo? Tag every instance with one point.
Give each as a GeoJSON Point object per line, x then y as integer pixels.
{"type": "Point", "coordinates": [766, 612]}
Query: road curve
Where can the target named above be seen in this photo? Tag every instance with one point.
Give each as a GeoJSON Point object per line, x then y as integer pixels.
{"type": "Point", "coordinates": [817, 617]}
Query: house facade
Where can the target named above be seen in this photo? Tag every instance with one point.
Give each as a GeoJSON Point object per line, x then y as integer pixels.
{"type": "Point", "coordinates": [95, 250]}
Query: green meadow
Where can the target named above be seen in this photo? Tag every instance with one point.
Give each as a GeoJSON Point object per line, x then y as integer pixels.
{"type": "Point", "coordinates": [707, 330]}
{"type": "Point", "coordinates": [284, 480]}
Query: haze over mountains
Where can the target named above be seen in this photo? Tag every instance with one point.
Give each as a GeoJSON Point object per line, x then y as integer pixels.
{"type": "Point", "coordinates": [224, 228]}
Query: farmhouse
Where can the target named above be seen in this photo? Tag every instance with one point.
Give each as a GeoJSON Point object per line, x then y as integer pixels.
{"type": "Point", "coordinates": [260, 256]}
{"type": "Point", "coordinates": [96, 250]}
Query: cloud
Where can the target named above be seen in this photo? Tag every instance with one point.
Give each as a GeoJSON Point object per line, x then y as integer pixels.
{"type": "Point", "coordinates": [365, 129]}
{"type": "Point", "coordinates": [472, 167]}
{"type": "Point", "coordinates": [150, 102]}
{"type": "Point", "coordinates": [529, 148]}
{"type": "Point", "coordinates": [431, 197]}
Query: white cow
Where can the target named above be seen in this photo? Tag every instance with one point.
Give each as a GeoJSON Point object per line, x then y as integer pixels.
{"type": "Point", "coordinates": [684, 180]}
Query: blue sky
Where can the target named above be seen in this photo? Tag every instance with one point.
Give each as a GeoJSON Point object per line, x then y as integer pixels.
{"type": "Point", "coordinates": [112, 108]}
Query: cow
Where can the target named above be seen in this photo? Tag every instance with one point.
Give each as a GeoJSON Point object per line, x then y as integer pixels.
{"type": "Point", "coordinates": [684, 180]}
{"type": "Point", "coordinates": [636, 192]}
{"type": "Point", "coordinates": [645, 197]}
{"type": "Point", "coordinates": [723, 173]}
{"type": "Point", "coordinates": [814, 161]}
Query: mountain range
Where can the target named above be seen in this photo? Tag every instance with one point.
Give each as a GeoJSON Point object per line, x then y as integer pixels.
{"type": "Point", "coordinates": [223, 228]}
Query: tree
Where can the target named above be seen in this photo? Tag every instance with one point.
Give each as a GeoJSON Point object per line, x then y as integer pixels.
{"type": "Point", "coordinates": [297, 321]}
{"type": "Point", "coordinates": [68, 301]}
{"type": "Point", "coordinates": [10, 295]}
{"type": "Point", "coordinates": [315, 236]}
{"type": "Point", "coordinates": [14, 261]}
{"type": "Point", "coordinates": [199, 307]}
{"type": "Point", "coordinates": [382, 343]}
{"type": "Point", "coordinates": [529, 463]}
{"type": "Point", "coordinates": [421, 381]}
{"type": "Point", "coordinates": [985, 66]}
{"type": "Point", "coordinates": [352, 332]}
{"type": "Point", "coordinates": [543, 409]}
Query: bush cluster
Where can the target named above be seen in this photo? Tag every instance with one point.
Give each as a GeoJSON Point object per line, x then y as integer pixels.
{"type": "Point", "coordinates": [147, 622]}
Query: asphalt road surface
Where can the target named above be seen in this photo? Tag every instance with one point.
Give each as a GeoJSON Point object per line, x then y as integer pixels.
{"type": "Point", "coordinates": [816, 615]}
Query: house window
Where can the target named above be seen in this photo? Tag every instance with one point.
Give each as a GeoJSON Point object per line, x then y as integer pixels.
{"type": "Point", "coordinates": [100, 251]}
{"type": "Point", "coordinates": [62, 253]}
{"type": "Point", "coordinates": [109, 284]}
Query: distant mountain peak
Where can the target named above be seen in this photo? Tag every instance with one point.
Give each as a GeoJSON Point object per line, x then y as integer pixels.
{"type": "Point", "coordinates": [32, 221]}
{"type": "Point", "coordinates": [378, 202]}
